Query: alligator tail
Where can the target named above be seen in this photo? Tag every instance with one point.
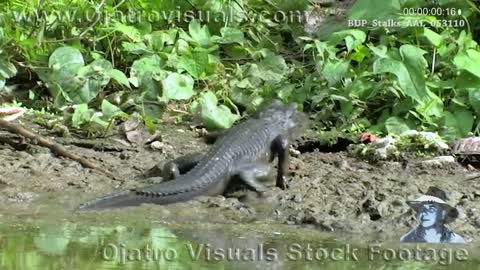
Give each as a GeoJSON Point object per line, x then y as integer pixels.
{"type": "Point", "coordinates": [114, 200]}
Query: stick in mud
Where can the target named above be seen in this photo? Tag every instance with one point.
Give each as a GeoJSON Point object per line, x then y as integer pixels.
{"type": "Point", "coordinates": [54, 147]}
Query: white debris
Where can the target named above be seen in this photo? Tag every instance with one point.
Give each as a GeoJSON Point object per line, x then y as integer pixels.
{"type": "Point", "coordinates": [11, 113]}
{"type": "Point", "coordinates": [157, 145]}
{"type": "Point", "coordinates": [383, 145]}
{"type": "Point", "coordinates": [441, 159]}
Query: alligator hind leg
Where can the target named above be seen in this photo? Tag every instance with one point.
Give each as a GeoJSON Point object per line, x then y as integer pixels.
{"type": "Point", "coordinates": [180, 165]}
{"type": "Point", "coordinates": [250, 173]}
{"type": "Point", "coordinates": [172, 169]}
{"type": "Point", "coordinates": [280, 148]}
{"type": "Point", "coordinates": [212, 137]}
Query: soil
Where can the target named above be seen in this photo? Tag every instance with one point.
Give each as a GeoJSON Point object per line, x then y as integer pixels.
{"type": "Point", "coordinates": [329, 191]}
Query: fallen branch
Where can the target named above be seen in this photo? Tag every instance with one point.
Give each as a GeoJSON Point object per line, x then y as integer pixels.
{"type": "Point", "coordinates": [54, 147]}
{"type": "Point", "coordinates": [472, 176]}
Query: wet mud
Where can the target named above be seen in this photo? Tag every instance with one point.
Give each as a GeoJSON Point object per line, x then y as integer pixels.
{"type": "Point", "coordinates": [328, 191]}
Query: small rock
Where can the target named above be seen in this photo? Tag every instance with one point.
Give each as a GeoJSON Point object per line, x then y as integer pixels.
{"type": "Point", "coordinates": [440, 159]}
{"type": "Point", "coordinates": [461, 213]}
{"type": "Point", "coordinates": [157, 145]}
{"type": "Point", "coordinates": [477, 222]}
{"type": "Point", "coordinates": [382, 145]}
{"type": "Point", "coordinates": [297, 198]}
{"type": "Point", "coordinates": [294, 152]}
{"type": "Point", "coordinates": [22, 196]}
{"type": "Point", "coordinates": [342, 165]}
{"type": "Point", "coordinates": [295, 164]}
{"type": "Point", "coordinates": [124, 156]}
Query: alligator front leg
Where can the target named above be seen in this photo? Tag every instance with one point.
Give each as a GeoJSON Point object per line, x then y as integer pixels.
{"type": "Point", "coordinates": [280, 148]}
{"type": "Point", "coordinates": [250, 173]}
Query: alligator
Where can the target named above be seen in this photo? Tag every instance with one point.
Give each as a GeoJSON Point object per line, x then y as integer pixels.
{"type": "Point", "coordinates": [240, 152]}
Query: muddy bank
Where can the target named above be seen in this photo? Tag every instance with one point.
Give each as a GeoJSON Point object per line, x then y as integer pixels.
{"type": "Point", "coordinates": [331, 192]}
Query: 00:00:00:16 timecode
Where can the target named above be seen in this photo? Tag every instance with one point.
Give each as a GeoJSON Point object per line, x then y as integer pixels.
{"type": "Point", "coordinates": [438, 11]}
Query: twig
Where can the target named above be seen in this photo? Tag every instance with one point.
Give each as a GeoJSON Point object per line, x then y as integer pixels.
{"type": "Point", "coordinates": [119, 4]}
{"type": "Point", "coordinates": [472, 176]}
{"type": "Point", "coordinates": [97, 11]}
{"type": "Point", "coordinates": [433, 60]}
{"type": "Point", "coordinates": [54, 147]}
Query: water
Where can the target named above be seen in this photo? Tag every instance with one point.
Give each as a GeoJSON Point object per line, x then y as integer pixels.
{"type": "Point", "coordinates": [47, 234]}
{"type": "Point", "coordinates": [147, 245]}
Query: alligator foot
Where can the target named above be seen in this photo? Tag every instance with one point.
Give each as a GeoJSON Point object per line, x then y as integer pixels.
{"type": "Point", "coordinates": [280, 148]}
{"type": "Point", "coordinates": [250, 173]}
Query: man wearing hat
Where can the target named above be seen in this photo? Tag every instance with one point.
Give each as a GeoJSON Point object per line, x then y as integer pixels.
{"type": "Point", "coordinates": [433, 213]}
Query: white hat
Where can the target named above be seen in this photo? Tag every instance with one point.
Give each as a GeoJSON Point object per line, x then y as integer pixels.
{"type": "Point", "coordinates": [452, 212]}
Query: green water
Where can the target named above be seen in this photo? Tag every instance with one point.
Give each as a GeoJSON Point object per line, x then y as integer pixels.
{"type": "Point", "coordinates": [73, 245]}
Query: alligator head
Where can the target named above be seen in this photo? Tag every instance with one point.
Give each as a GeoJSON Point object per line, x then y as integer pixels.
{"type": "Point", "coordinates": [285, 117]}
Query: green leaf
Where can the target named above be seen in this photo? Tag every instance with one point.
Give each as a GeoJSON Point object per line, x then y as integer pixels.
{"type": "Point", "coordinates": [157, 40]}
{"type": "Point", "coordinates": [134, 48]}
{"type": "Point", "coordinates": [178, 86]}
{"type": "Point", "coordinates": [66, 58]}
{"type": "Point", "coordinates": [69, 80]}
{"type": "Point", "coordinates": [361, 52]}
{"type": "Point", "coordinates": [450, 128]}
{"type": "Point", "coordinates": [231, 35]}
{"type": "Point", "coordinates": [374, 10]}
{"type": "Point", "coordinates": [199, 33]}
{"type": "Point", "coordinates": [271, 69]}
{"type": "Point", "coordinates": [470, 61]}
{"type": "Point", "coordinates": [433, 37]}
{"type": "Point", "coordinates": [467, 80]}
{"type": "Point", "coordinates": [409, 72]}
{"type": "Point", "coordinates": [119, 76]}
{"type": "Point", "coordinates": [144, 74]}
{"type": "Point", "coordinates": [61, 77]}
{"type": "Point", "coordinates": [81, 115]}
{"type": "Point", "coordinates": [111, 111]}
{"type": "Point", "coordinates": [131, 32]}
{"type": "Point", "coordinates": [474, 98]}
{"type": "Point", "coordinates": [151, 127]}
{"type": "Point", "coordinates": [346, 107]}
{"type": "Point", "coordinates": [195, 64]}
{"type": "Point", "coordinates": [380, 51]}
{"type": "Point", "coordinates": [285, 91]}
{"type": "Point", "coordinates": [396, 125]}
{"type": "Point", "coordinates": [464, 120]}
{"type": "Point", "coordinates": [183, 48]}
{"type": "Point", "coordinates": [339, 98]}
{"type": "Point", "coordinates": [352, 37]}
{"type": "Point", "coordinates": [88, 81]}
{"type": "Point", "coordinates": [7, 69]}
{"type": "Point", "coordinates": [334, 71]}
{"type": "Point", "coordinates": [431, 107]}
{"type": "Point", "coordinates": [215, 116]}
{"type": "Point", "coordinates": [100, 66]}
{"type": "Point", "coordinates": [97, 120]}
